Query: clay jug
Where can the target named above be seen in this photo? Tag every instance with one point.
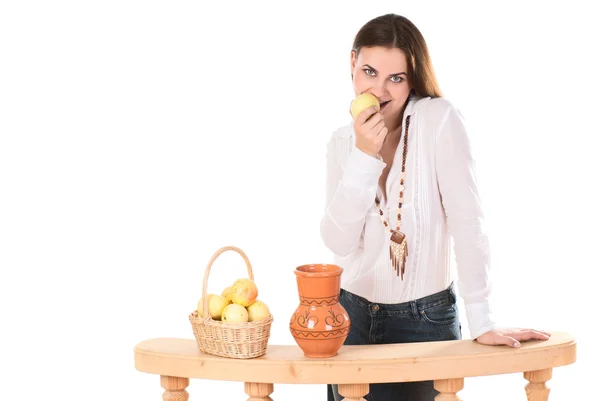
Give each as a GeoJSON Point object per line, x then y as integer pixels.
{"type": "Point", "coordinates": [320, 324]}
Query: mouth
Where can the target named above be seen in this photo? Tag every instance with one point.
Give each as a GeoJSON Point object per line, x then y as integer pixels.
{"type": "Point", "coordinates": [383, 104]}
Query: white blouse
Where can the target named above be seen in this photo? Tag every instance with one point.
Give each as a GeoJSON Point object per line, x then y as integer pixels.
{"type": "Point", "coordinates": [440, 201]}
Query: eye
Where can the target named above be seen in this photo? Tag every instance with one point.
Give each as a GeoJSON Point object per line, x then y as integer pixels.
{"type": "Point", "coordinates": [397, 79]}
{"type": "Point", "coordinates": [369, 72]}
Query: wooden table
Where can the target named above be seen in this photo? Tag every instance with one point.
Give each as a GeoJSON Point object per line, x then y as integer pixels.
{"type": "Point", "coordinates": [177, 360]}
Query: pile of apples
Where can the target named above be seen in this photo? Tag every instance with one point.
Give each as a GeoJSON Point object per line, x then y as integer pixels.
{"type": "Point", "coordinates": [236, 304]}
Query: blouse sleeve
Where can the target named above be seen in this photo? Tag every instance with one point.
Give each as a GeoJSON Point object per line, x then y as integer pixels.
{"type": "Point", "coordinates": [350, 192]}
{"type": "Point", "coordinates": [455, 168]}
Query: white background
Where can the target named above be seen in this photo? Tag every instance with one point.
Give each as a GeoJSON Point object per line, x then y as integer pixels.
{"type": "Point", "coordinates": [138, 137]}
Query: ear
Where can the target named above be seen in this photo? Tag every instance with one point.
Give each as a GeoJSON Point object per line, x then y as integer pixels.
{"type": "Point", "coordinates": [352, 61]}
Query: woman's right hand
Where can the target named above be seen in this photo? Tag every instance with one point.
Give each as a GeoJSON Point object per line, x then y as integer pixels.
{"type": "Point", "coordinates": [370, 131]}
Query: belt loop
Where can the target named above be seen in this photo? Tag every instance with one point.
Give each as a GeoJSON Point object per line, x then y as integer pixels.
{"type": "Point", "coordinates": [414, 309]}
{"type": "Point", "coordinates": [452, 292]}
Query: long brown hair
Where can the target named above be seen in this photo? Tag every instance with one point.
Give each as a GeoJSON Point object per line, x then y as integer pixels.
{"type": "Point", "coordinates": [395, 31]}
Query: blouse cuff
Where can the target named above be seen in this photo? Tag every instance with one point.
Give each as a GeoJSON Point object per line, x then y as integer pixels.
{"type": "Point", "coordinates": [363, 170]}
{"type": "Point", "coordinates": [480, 319]}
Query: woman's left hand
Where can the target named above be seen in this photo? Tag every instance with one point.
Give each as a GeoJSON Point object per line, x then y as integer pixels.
{"type": "Point", "coordinates": [511, 337]}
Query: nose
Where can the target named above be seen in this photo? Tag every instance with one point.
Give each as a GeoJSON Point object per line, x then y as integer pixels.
{"type": "Point", "coordinates": [379, 88]}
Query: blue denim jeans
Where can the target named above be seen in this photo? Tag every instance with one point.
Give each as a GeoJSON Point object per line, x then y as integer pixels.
{"type": "Point", "coordinates": [431, 318]}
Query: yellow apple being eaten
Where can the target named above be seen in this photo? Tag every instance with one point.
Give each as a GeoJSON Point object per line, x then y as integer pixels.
{"type": "Point", "coordinates": [258, 310]}
{"type": "Point", "coordinates": [362, 102]}
{"type": "Point", "coordinates": [234, 313]}
{"type": "Point", "coordinates": [216, 305]}
{"type": "Point", "coordinates": [243, 292]}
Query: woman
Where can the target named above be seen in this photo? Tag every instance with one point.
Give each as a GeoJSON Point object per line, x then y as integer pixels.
{"type": "Point", "coordinates": [400, 184]}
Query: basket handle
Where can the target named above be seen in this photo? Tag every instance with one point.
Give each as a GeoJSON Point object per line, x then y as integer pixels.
{"type": "Point", "coordinates": [207, 272]}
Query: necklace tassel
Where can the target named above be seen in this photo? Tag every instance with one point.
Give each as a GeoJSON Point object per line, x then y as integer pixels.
{"type": "Point", "coordinates": [398, 252]}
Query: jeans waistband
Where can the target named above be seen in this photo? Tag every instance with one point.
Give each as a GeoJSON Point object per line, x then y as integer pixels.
{"type": "Point", "coordinates": [445, 296]}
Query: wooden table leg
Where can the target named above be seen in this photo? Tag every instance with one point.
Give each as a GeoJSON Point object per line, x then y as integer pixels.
{"type": "Point", "coordinates": [259, 391]}
{"type": "Point", "coordinates": [448, 389]}
{"type": "Point", "coordinates": [353, 392]}
{"type": "Point", "coordinates": [536, 389]}
{"type": "Point", "coordinates": [175, 388]}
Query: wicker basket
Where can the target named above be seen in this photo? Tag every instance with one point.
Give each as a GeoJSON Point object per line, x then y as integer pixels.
{"type": "Point", "coordinates": [232, 340]}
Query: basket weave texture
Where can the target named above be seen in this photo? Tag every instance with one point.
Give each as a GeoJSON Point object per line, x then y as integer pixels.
{"type": "Point", "coordinates": [242, 340]}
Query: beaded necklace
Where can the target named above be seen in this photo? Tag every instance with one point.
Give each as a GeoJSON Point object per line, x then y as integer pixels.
{"type": "Point", "coordinates": [398, 243]}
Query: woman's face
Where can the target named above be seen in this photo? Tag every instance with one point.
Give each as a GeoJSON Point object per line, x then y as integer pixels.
{"type": "Point", "coordinates": [382, 72]}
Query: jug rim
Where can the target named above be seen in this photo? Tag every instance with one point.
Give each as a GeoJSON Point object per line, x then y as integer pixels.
{"type": "Point", "coordinates": [318, 270]}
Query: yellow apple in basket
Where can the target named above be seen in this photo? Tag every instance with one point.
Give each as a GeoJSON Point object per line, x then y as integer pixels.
{"type": "Point", "coordinates": [362, 102]}
{"type": "Point", "coordinates": [258, 310]}
{"type": "Point", "coordinates": [234, 313]}
{"type": "Point", "coordinates": [216, 305]}
{"type": "Point", "coordinates": [243, 292]}
{"type": "Point", "coordinates": [226, 293]}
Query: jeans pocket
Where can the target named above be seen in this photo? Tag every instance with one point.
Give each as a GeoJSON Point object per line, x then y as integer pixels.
{"type": "Point", "coordinates": [441, 315]}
